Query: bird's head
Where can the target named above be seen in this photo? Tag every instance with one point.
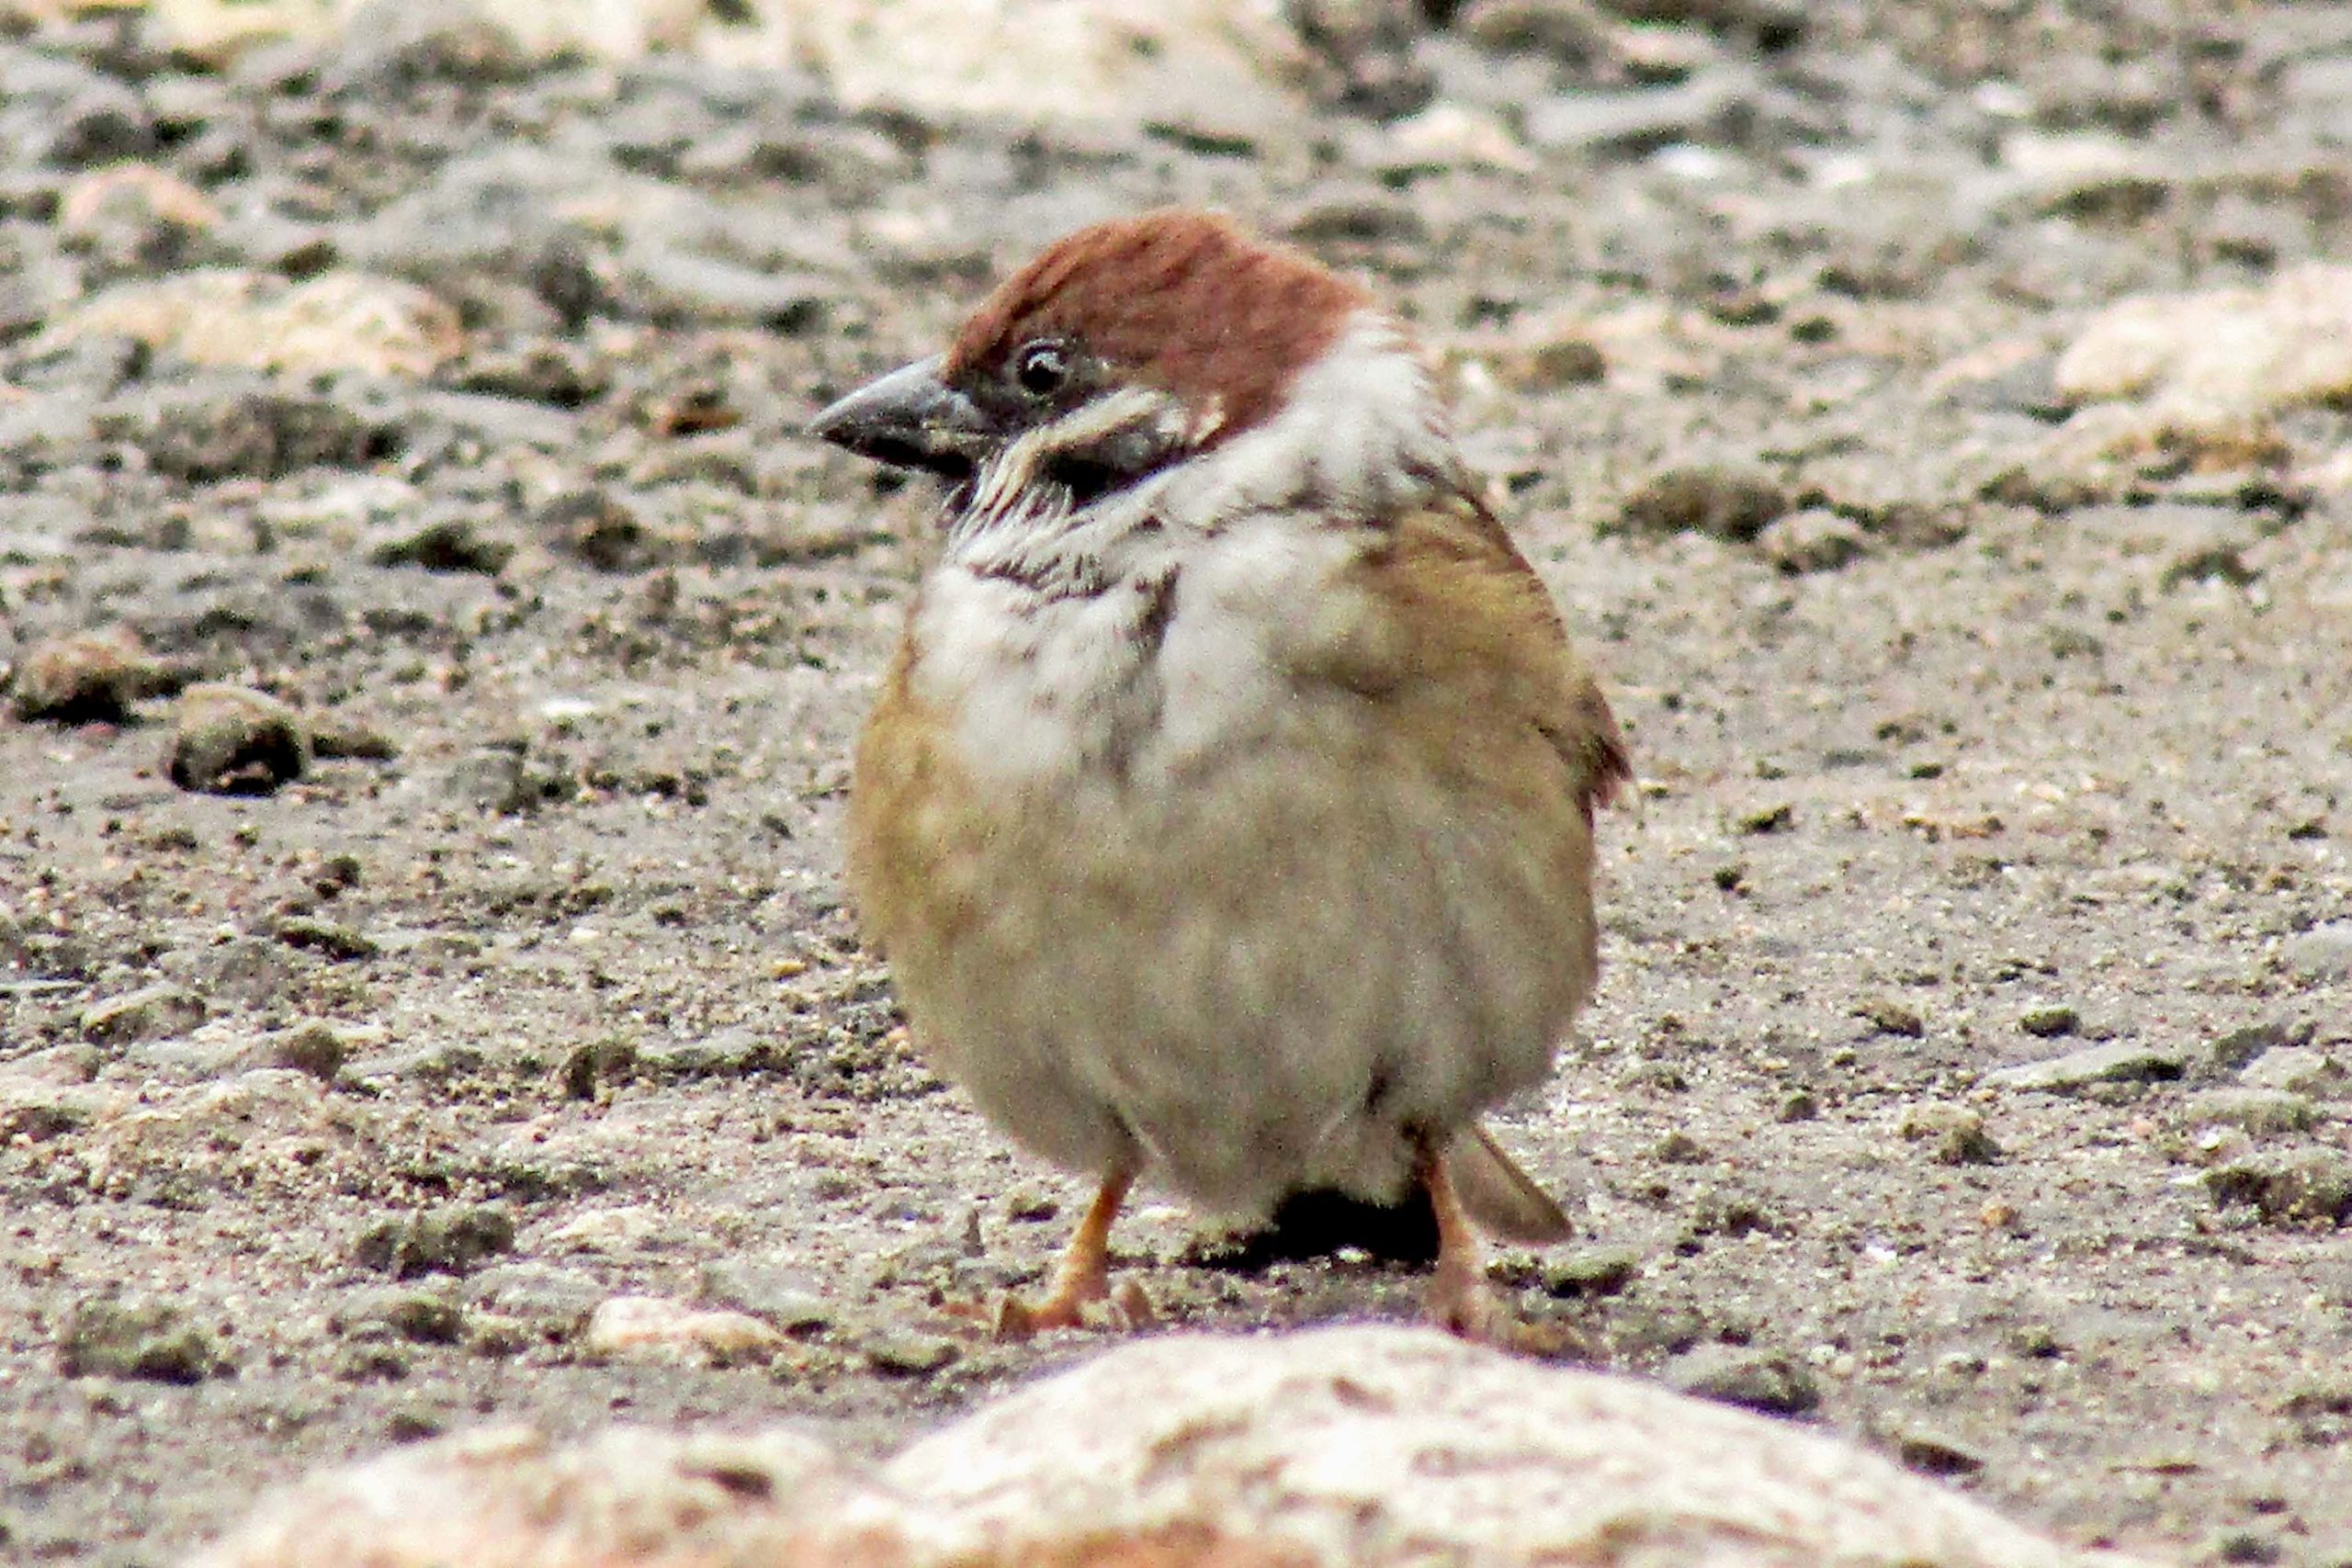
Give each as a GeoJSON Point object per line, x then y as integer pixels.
{"type": "Point", "coordinates": [1137, 351]}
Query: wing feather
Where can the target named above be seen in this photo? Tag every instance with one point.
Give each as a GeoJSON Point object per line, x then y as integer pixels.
{"type": "Point", "coordinates": [1463, 617]}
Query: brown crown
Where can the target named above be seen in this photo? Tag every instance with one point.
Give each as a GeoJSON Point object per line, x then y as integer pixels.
{"type": "Point", "coordinates": [1184, 301]}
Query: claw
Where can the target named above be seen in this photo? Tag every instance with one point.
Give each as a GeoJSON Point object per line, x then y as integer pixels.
{"type": "Point", "coordinates": [1131, 1310]}
{"type": "Point", "coordinates": [1081, 1285]}
{"type": "Point", "coordinates": [1122, 1310]}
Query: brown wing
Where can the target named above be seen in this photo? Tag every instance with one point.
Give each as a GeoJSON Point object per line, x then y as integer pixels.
{"type": "Point", "coordinates": [1469, 622]}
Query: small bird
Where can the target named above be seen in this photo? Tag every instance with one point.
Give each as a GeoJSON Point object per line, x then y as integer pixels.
{"type": "Point", "coordinates": [1227, 811]}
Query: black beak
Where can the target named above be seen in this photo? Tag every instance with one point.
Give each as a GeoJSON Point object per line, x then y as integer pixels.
{"type": "Point", "coordinates": [911, 419]}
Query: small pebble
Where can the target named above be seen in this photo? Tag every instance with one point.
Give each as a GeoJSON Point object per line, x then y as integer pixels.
{"type": "Point", "coordinates": [2050, 1021]}
{"type": "Point", "coordinates": [1678, 1148]}
{"type": "Point", "coordinates": [233, 740]}
{"type": "Point", "coordinates": [370, 1357]}
{"type": "Point", "coordinates": [88, 679]}
{"type": "Point", "coordinates": [2323, 953]}
{"type": "Point", "coordinates": [1955, 1136]}
{"type": "Point", "coordinates": [1722, 503]}
{"type": "Point", "coordinates": [1745, 1375]}
{"type": "Point", "coordinates": [2242, 1547]}
{"type": "Point", "coordinates": [909, 1354]}
{"type": "Point", "coordinates": [1591, 1272]}
{"type": "Point", "coordinates": [448, 1241]}
{"type": "Point", "coordinates": [2037, 1341]}
{"type": "Point", "coordinates": [1550, 365]}
{"type": "Point", "coordinates": [790, 1296]}
{"type": "Point", "coordinates": [658, 1328]}
{"type": "Point", "coordinates": [2298, 1070]}
{"type": "Point", "coordinates": [418, 1316]}
{"type": "Point", "coordinates": [2296, 1186]}
{"type": "Point", "coordinates": [115, 1339]}
{"type": "Point", "coordinates": [2235, 1050]}
{"type": "Point", "coordinates": [496, 1335]}
{"type": "Point", "coordinates": [445, 545]}
{"type": "Point", "coordinates": [413, 1426]}
{"type": "Point", "coordinates": [324, 937]}
{"type": "Point", "coordinates": [342, 738]}
{"type": "Point", "coordinates": [151, 1012]}
{"type": "Point", "coordinates": [1936, 1453]}
{"type": "Point", "coordinates": [2120, 1062]}
{"type": "Point", "coordinates": [1810, 541]}
{"type": "Point", "coordinates": [1029, 1205]}
{"type": "Point", "coordinates": [314, 1048]}
{"type": "Point", "coordinates": [2263, 1113]}
{"type": "Point", "coordinates": [1890, 1017]}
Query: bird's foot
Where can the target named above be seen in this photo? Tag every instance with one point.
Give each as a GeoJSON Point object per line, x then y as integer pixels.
{"type": "Point", "coordinates": [1461, 1302]}
{"type": "Point", "coordinates": [1122, 1308]}
{"type": "Point", "coordinates": [1466, 1305]}
{"type": "Point", "coordinates": [1083, 1294]}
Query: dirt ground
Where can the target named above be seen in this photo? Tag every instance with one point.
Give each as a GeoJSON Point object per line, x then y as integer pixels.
{"type": "Point", "coordinates": [328, 1114]}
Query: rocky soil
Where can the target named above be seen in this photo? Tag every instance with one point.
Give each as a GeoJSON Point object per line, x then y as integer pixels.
{"type": "Point", "coordinates": [425, 994]}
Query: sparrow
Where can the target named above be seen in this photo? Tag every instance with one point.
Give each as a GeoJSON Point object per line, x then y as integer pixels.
{"type": "Point", "coordinates": [1226, 814]}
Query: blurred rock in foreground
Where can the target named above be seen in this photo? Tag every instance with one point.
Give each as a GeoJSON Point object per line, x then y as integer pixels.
{"type": "Point", "coordinates": [1357, 1446]}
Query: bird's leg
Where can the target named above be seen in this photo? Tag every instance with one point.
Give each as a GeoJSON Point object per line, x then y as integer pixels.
{"type": "Point", "coordinates": [1459, 1300]}
{"type": "Point", "coordinates": [1084, 1275]}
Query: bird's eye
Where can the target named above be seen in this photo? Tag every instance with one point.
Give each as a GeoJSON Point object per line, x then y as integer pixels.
{"type": "Point", "coordinates": [1041, 369]}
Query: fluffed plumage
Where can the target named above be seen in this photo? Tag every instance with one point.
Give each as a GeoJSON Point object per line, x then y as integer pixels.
{"type": "Point", "coordinates": [1227, 813]}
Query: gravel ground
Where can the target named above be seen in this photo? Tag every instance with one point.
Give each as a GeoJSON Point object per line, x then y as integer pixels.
{"type": "Point", "coordinates": [435, 652]}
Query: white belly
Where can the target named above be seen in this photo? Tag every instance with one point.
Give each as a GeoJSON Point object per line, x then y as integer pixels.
{"type": "Point", "coordinates": [1262, 1009]}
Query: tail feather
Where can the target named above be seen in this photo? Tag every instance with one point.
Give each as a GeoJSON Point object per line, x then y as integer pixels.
{"type": "Point", "coordinates": [1503, 1199]}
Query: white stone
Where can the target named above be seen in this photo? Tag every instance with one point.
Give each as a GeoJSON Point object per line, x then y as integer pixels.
{"type": "Point", "coordinates": [1229, 60]}
{"type": "Point", "coordinates": [1372, 1446]}
{"type": "Point", "coordinates": [2211, 366]}
{"type": "Point", "coordinates": [337, 320]}
{"type": "Point", "coordinates": [658, 1328]}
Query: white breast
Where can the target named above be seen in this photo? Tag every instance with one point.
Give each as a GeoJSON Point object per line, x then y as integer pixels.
{"type": "Point", "coordinates": [1246, 600]}
{"type": "Point", "coordinates": [1033, 683]}
{"type": "Point", "coordinates": [1164, 666]}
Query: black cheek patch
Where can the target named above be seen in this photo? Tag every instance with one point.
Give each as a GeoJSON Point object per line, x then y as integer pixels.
{"type": "Point", "coordinates": [1083, 478]}
{"type": "Point", "coordinates": [1099, 467]}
